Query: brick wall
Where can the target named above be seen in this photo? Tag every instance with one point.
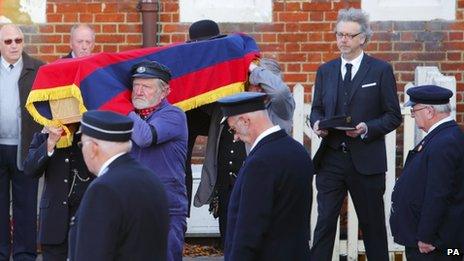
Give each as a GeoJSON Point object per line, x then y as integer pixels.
{"type": "Point", "coordinates": [117, 25]}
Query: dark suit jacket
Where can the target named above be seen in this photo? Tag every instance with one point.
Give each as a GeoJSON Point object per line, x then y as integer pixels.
{"type": "Point", "coordinates": [377, 105]}
{"type": "Point", "coordinates": [123, 216]}
{"type": "Point", "coordinates": [55, 205]}
{"type": "Point", "coordinates": [428, 199]}
{"type": "Point", "coordinates": [270, 205]}
{"type": "Point", "coordinates": [69, 55]}
{"type": "Point", "coordinates": [28, 125]}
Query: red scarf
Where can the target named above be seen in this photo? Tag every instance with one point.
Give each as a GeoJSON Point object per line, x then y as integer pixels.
{"type": "Point", "coordinates": [145, 113]}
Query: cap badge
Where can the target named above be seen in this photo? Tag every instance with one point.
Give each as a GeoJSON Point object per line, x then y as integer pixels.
{"type": "Point", "coordinates": [141, 69]}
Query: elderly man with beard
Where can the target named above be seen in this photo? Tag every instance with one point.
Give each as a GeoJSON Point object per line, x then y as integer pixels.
{"type": "Point", "coordinates": [160, 143]}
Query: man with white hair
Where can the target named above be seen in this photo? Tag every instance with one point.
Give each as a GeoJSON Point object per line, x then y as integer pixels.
{"type": "Point", "coordinates": [82, 41]}
{"type": "Point", "coordinates": [17, 74]}
{"type": "Point", "coordinates": [160, 143]}
{"type": "Point", "coordinates": [428, 199]}
{"type": "Point", "coordinates": [270, 205]}
{"type": "Point", "coordinates": [124, 213]}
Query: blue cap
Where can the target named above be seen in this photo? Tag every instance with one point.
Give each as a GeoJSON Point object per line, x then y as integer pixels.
{"type": "Point", "coordinates": [151, 69]}
{"type": "Point", "coordinates": [241, 103]}
{"type": "Point", "coordinates": [428, 94]}
{"type": "Point", "coordinates": [106, 125]}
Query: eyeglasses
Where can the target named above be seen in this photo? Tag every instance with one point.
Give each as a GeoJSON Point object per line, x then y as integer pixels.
{"type": "Point", "coordinates": [232, 131]}
{"type": "Point", "coordinates": [80, 144]}
{"type": "Point", "coordinates": [10, 41]}
{"type": "Point", "coordinates": [348, 36]}
{"type": "Point", "coordinates": [416, 110]}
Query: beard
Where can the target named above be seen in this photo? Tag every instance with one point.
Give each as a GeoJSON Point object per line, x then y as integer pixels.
{"type": "Point", "coordinates": [141, 103]}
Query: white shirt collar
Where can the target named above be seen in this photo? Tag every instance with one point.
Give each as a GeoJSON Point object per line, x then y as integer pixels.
{"type": "Point", "coordinates": [7, 64]}
{"type": "Point", "coordinates": [264, 134]}
{"type": "Point", "coordinates": [73, 55]}
{"type": "Point", "coordinates": [105, 165]}
{"type": "Point", "coordinates": [356, 62]}
{"type": "Point", "coordinates": [438, 123]}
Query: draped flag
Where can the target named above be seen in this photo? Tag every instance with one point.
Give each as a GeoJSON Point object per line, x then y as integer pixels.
{"type": "Point", "coordinates": [202, 72]}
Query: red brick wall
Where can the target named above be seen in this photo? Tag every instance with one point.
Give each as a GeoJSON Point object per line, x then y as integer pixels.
{"type": "Point", "coordinates": [117, 25]}
{"type": "Point", "coordinates": [301, 36]}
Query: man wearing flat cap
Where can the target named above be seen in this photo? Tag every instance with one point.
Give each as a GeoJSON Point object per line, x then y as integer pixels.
{"type": "Point", "coordinates": [124, 212]}
{"type": "Point", "coordinates": [270, 205]}
{"type": "Point", "coordinates": [428, 199]}
{"type": "Point", "coordinates": [160, 143]}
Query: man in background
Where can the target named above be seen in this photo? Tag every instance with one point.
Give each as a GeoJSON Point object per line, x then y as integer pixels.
{"type": "Point", "coordinates": [362, 89]}
{"type": "Point", "coordinates": [82, 41]}
{"type": "Point", "coordinates": [17, 74]}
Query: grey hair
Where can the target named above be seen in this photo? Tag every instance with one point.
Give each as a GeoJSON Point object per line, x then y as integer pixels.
{"type": "Point", "coordinates": [14, 26]}
{"type": "Point", "coordinates": [163, 86]}
{"type": "Point", "coordinates": [442, 108]}
{"type": "Point", "coordinates": [271, 65]}
{"type": "Point", "coordinates": [114, 147]}
{"type": "Point", "coordinates": [74, 28]}
{"type": "Point", "coordinates": [357, 16]}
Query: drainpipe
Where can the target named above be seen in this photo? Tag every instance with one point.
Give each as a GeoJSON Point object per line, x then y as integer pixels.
{"type": "Point", "coordinates": [149, 9]}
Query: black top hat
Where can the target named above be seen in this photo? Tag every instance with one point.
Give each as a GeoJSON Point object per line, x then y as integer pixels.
{"type": "Point", "coordinates": [428, 94]}
{"type": "Point", "coordinates": [106, 125]}
{"type": "Point", "coordinates": [151, 69]}
{"type": "Point", "coordinates": [242, 103]}
{"type": "Point", "coordinates": [204, 30]}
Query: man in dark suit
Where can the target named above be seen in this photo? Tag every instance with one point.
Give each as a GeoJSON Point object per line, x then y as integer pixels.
{"type": "Point", "coordinates": [17, 74]}
{"type": "Point", "coordinates": [81, 41]}
{"type": "Point", "coordinates": [66, 179]}
{"type": "Point", "coordinates": [364, 89]}
{"type": "Point", "coordinates": [427, 214]}
{"type": "Point", "coordinates": [270, 204]}
{"type": "Point", "coordinates": [124, 212]}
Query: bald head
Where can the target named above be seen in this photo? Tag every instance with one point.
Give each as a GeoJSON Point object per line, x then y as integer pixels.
{"type": "Point", "coordinates": [11, 43]}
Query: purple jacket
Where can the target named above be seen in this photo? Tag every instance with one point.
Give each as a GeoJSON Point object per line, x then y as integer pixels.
{"type": "Point", "coordinates": [160, 143]}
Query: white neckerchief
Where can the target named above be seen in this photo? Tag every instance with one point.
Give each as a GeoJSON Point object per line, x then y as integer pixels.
{"type": "Point", "coordinates": [264, 134]}
{"type": "Point", "coordinates": [438, 123]}
{"type": "Point", "coordinates": [7, 64]}
{"type": "Point", "coordinates": [356, 62]}
{"type": "Point", "coordinates": [105, 165]}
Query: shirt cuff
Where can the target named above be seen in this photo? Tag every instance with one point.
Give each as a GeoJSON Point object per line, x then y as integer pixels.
{"type": "Point", "coordinates": [364, 135]}
{"type": "Point", "coordinates": [49, 154]}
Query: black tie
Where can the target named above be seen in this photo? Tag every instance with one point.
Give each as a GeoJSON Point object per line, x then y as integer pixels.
{"type": "Point", "coordinates": [11, 67]}
{"type": "Point", "coordinates": [347, 80]}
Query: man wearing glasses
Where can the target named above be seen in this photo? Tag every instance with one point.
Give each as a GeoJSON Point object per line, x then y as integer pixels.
{"type": "Point", "coordinates": [428, 199]}
{"type": "Point", "coordinates": [17, 73]}
{"type": "Point", "coordinates": [363, 88]}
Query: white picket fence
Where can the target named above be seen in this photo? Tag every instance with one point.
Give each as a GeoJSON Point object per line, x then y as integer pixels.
{"type": "Point", "coordinates": [202, 224]}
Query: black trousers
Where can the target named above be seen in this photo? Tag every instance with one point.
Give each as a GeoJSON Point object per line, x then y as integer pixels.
{"type": "Point", "coordinates": [24, 204]}
{"type": "Point", "coordinates": [57, 252]}
{"type": "Point", "coordinates": [224, 196]}
{"type": "Point", "coordinates": [413, 254]}
{"type": "Point", "coordinates": [337, 176]}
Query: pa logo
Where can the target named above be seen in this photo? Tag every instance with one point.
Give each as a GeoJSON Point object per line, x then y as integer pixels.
{"type": "Point", "coordinates": [452, 252]}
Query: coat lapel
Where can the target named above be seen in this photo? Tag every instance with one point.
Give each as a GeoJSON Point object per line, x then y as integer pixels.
{"type": "Point", "coordinates": [360, 75]}
{"type": "Point", "coordinates": [334, 75]}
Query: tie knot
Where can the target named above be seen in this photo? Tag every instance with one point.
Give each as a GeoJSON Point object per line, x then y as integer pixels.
{"type": "Point", "coordinates": [348, 66]}
{"type": "Point", "coordinates": [11, 66]}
